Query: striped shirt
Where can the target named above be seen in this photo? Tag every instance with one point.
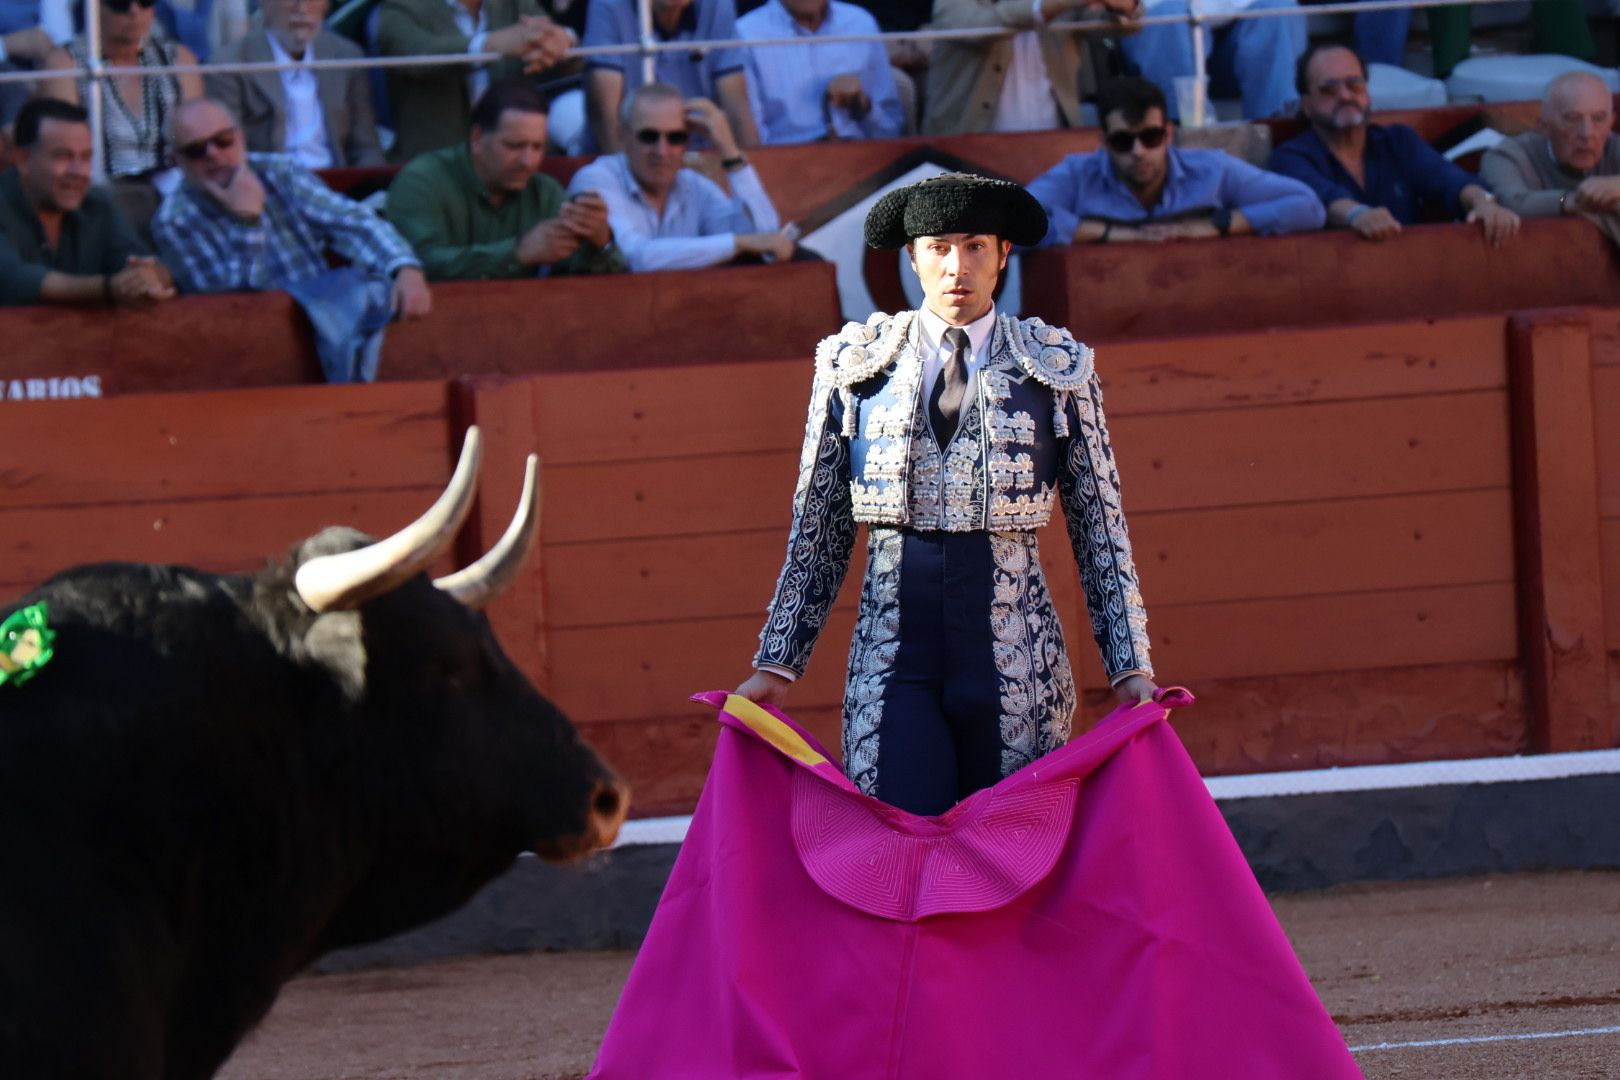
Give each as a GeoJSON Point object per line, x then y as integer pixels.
{"type": "Point", "coordinates": [787, 84]}
{"type": "Point", "coordinates": [133, 145]}
{"type": "Point", "coordinates": [209, 250]}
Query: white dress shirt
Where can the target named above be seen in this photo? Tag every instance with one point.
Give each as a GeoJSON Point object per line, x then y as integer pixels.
{"type": "Point", "coordinates": [304, 131]}
{"type": "Point", "coordinates": [699, 223]}
{"type": "Point", "coordinates": [476, 28]}
{"type": "Point", "coordinates": [1026, 102]}
{"type": "Point", "coordinates": [929, 339]}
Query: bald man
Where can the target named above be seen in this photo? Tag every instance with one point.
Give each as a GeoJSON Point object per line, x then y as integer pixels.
{"type": "Point", "coordinates": [1570, 164]}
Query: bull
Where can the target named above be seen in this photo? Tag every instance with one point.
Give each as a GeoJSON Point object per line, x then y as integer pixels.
{"type": "Point", "coordinates": [218, 778]}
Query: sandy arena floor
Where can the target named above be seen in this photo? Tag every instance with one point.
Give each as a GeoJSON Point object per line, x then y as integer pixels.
{"type": "Point", "coordinates": [1465, 959]}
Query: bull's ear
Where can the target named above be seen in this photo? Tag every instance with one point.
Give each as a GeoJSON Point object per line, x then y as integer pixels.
{"type": "Point", "coordinates": [335, 642]}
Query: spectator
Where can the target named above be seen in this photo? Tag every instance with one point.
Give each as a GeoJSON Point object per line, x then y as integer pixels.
{"type": "Point", "coordinates": [262, 221]}
{"type": "Point", "coordinates": [61, 240]}
{"type": "Point", "coordinates": [485, 210]}
{"type": "Point", "coordinates": [1571, 165]}
{"type": "Point", "coordinates": [669, 218]}
{"type": "Point", "coordinates": [801, 93]}
{"type": "Point", "coordinates": [204, 26]}
{"type": "Point", "coordinates": [322, 118]}
{"type": "Point", "coordinates": [717, 76]}
{"type": "Point", "coordinates": [1374, 178]}
{"type": "Point", "coordinates": [29, 31]}
{"type": "Point", "coordinates": [1556, 26]}
{"type": "Point", "coordinates": [432, 105]}
{"type": "Point", "coordinates": [1251, 57]}
{"type": "Point", "coordinates": [1139, 187]}
{"type": "Point", "coordinates": [1028, 82]}
{"type": "Point", "coordinates": [137, 108]}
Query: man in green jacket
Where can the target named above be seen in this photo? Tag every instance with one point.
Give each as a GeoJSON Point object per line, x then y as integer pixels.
{"type": "Point", "coordinates": [484, 209]}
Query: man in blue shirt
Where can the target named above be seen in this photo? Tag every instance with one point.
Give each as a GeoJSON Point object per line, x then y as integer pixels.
{"type": "Point", "coordinates": [801, 93]}
{"type": "Point", "coordinates": [1374, 178]}
{"type": "Point", "coordinates": [1138, 187]}
{"type": "Point", "coordinates": [717, 76]}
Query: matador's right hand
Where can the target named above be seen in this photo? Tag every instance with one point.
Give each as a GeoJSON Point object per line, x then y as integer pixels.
{"type": "Point", "coordinates": [765, 688]}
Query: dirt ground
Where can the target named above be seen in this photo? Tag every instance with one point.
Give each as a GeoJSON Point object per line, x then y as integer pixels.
{"type": "Point", "coordinates": [1520, 955]}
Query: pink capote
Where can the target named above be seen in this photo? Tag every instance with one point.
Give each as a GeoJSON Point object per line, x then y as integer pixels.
{"type": "Point", "coordinates": [1090, 916]}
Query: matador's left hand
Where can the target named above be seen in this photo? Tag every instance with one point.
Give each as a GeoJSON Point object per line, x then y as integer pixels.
{"type": "Point", "coordinates": [1136, 689]}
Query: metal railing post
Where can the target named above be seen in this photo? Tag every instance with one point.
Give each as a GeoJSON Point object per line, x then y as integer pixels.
{"type": "Point", "coordinates": [649, 59]}
{"type": "Point", "coordinates": [95, 105]}
{"type": "Point", "coordinates": [1200, 65]}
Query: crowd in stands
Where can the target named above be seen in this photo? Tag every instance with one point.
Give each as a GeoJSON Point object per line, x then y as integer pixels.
{"type": "Point", "coordinates": [211, 182]}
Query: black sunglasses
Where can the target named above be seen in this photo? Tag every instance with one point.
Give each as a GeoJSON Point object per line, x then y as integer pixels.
{"type": "Point", "coordinates": [649, 136]}
{"type": "Point", "coordinates": [122, 7]}
{"type": "Point", "coordinates": [198, 149]}
{"type": "Point", "coordinates": [1120, 142]}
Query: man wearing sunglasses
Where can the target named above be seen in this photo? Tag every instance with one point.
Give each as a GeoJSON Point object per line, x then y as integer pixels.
{"type": "Point", "coordinates": [1375, 178]}
{"type": "Point", "coordinates": [484, 209]}
{"type": "Point", "coordinates": [1138, 187]}
{"type": "Point", "coordinates": [245, 221]}
{"type": "Point", "coordinates": [666, 216]}
{"type": "Point", "coordinates": [63, 241]}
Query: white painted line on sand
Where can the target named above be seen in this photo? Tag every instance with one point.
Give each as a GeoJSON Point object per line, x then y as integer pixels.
{"type": "Point", "coordinates": [1486, 1039]}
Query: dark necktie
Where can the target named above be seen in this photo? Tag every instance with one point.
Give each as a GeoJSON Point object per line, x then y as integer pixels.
{"type": "Point", "coordinates": [951, 387]}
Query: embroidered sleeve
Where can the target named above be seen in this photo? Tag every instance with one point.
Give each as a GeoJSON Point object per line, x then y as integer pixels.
{"type": "Point", "coordinates": [820, 540]}
{"type": "Point", "coordinates": [1089, 486]}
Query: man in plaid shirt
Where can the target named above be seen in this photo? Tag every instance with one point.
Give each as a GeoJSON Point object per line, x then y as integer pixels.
{"type": "Point", "coordinates": [261, 221]}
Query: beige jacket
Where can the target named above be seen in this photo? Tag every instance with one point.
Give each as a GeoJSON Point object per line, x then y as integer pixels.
{"type": "Point", "coordinates": [257, 99]}
{"type": "Point", "coordinates": [965, 77]}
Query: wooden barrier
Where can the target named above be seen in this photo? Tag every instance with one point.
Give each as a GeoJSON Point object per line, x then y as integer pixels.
{"type": "Point", "coordinates": [1104, 293]}
{"type": "Point", "coordinates": [504, 327]}
{"type": "Point", "coordinates": [1115, 292]}
{"type": "Point", "coordinates": [1358, 544]}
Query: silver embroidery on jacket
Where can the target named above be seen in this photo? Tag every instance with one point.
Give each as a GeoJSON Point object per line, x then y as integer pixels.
{"type": "Point", "coordinates": [1102, 547]}
{"type": "Point", "coordinates": [872, 653]}
{"type": "Point", "coordinates": [1037, 685]}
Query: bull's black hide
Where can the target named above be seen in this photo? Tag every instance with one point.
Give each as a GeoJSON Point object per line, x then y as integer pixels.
{"type": "Point", "coordinates": [210, 786]}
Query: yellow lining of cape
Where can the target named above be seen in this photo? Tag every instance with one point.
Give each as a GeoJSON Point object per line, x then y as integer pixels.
{"type": "Point", "coordinates": [772, 730]}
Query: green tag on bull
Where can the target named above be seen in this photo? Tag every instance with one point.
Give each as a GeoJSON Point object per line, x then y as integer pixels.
{"type": "Point", "coordinates": [25, 644]}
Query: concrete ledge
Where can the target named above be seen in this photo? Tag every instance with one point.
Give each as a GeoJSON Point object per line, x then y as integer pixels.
{"type": "Point", "coordinates": [1298, 831]}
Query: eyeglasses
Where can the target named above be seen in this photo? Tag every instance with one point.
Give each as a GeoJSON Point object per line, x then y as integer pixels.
{"type": "Point", "coordinates": [1355, 84]}
{"type": "Point", "coordinates": [121, 7]}
{"type": "Point", "coordinates": [1120, 142]}
{"type": "Point", "coordinates": [650, 136]}
{"type": "Point", "coordinates": [197, 150]}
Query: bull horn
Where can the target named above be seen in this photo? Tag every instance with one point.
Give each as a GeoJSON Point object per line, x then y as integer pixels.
{"type": "Point", "coordinates": [481, 582]}
{"type": "Point", "coordinates": [343, 582]}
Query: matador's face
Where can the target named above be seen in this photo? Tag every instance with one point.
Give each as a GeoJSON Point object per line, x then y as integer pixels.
{"type": "Point", "coordinates": [958, 272]}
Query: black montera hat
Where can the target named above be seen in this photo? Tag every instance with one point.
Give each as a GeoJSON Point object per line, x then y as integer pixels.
{"type": "Point", "coordinates": [955, 203]}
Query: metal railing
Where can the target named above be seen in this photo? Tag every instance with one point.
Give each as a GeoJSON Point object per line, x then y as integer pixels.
{"type": "Point", "coordinates": [649, 46]}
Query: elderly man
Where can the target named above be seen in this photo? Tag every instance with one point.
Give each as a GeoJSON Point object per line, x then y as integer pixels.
{"type": "Point", "coordinates": [1030, 81]}
{"type": "Point", "coordinates": [805, 92]}
{"type": "Point", "coordinates": [61, 240]}
{"type": "Point", "coordinates": [952, 432]}
{"type": "Point", "coordinates": [1570, 164]}
{"type": "Point", "coordinates": [666, 217]}
{"type": "Point", "coordinates": [718, 75]}
{"type": "Point", "coordinates": [1139, 187]}
{"type": "Point", "coordinates": [322, 118]}
{"type": "Point", "coordinates": [431, 105]}
{"type": "Point", "coordinates": [245, 221]}
{"type": "Point", "coordinates": [1374, 178]}
{"type": "Point", "coordinates": [485, 210]}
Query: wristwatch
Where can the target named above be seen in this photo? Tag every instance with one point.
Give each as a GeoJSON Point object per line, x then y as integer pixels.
{"type": "Point", "coordinates": [1222, 220]}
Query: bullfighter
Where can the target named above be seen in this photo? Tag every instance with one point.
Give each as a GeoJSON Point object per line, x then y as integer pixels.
{"type": "Point", "coordinates": [950, 432]}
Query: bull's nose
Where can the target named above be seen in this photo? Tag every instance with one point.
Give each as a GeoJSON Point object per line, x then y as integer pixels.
{"type": "Point", "coordinates": [610, 802]}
